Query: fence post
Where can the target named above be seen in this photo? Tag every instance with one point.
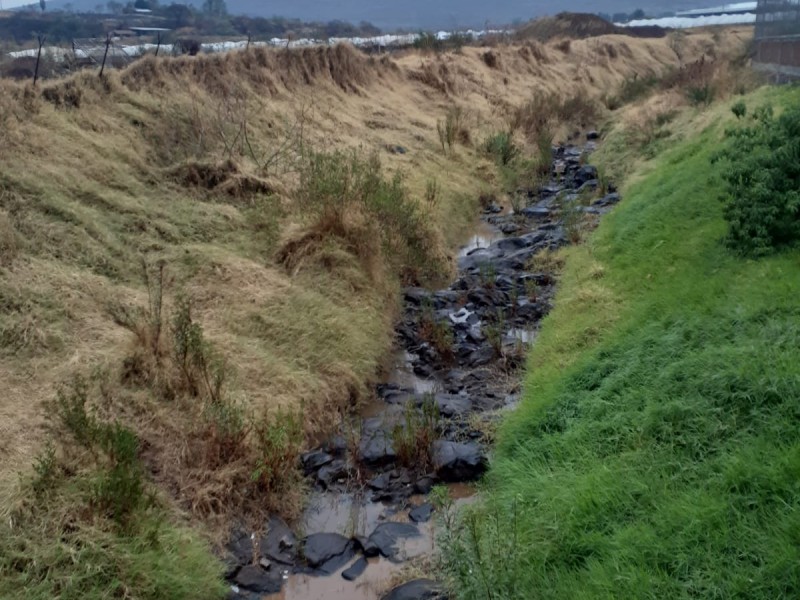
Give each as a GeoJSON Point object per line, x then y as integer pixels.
{"type": "Point", "coordinates": [248, 42]}
{"type": "Point", "coordinates": [158, 47]}
{"type": "Point", "coordinates": [41, 39]}
{"type": "Point", "coordinates": [105, 54]}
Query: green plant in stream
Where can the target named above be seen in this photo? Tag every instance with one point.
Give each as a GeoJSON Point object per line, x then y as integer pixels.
{"type": "Point", "coordinates": [437, 332]}
{"type": "Point", "coordinates": [487, 273]}
{"type": "Point", "coordinates": [413, 438]}
{"type": "Point", "coordinates": [278, 440]}
{"type": "Point", "coordinates": [495, 329]}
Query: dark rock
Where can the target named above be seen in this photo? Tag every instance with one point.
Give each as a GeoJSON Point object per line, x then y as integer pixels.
{"type": "Point", "coordinates": [493, 208]}
{"type": "Point", "coordinates": [423, 370]}
{"type": "Point", "coordinates": [592, 135]}
{"type": "Point", "coordinates": [328, 551]}
{"type": "Point", "coordinates": [424, 485]}
{"type": "Point", "coordinates": [380, 482]}
{"type": "Point", "coordinates": [386, 535]}
{"type": "Point", "coordinates": [458, 461]}
{"type": "Point", "coordinates": [584, 174]}
{"type": "Point", "coordinates": [418, 589]}
{"type": "Point", "coordinates": [509, 228]}
{"type": "Point", "coordinates": [280, 543]}
{"type": "Point", "coordinates": [535, 212]}
{"type": "Point", "coordinates": [355, 570]}
{"type": "Point", "coordinates": [607, 200]}
{"type": "Point", "coordinates": [330, 474]}
{"type": "Point", "coordinates": [396, 149]}
{"type": "Point", "coordinates": [416, 295]}
{"type": "Point", "coordinates": [453, 405]}
{"type": "Point", "coordinates": [376, 449]}
{"type": "Point", "coordinates": [422, 513]}
{"type": "Point", "coordinates": [256, 579]}
{"type": "Point", "coordinates": [588, 185]}
{"type": "Point", "coordinates": [314, 460]}
{"type": "Point", "coordinates": [482, 356]}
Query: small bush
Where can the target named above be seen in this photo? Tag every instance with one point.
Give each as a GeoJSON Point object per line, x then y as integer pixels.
{"type": "Point", "coordinates": [700, 94]}
{"type": "Point", "coordinates": [452, 129]}
{"type": "Point", "coordinates": [760, 166]}
{"type": "Point", "coordinates": [501, 147]}
{"type": "Point", "coordinates": [739, 109]}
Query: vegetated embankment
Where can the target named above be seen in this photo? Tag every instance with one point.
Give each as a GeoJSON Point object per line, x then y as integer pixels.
{"type": "Point", "coordinates": [655, 453]}
{"type": "Point", "coordinates": [200, 275]}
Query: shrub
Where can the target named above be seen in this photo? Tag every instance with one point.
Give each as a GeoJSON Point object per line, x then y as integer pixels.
{"type": "Point", "coordinates": [760, 166]}
{"type": "Point", "coordinates": [739, 109]}
{"type": "Point", "coordinates": [700, 94]}
{"type": "Point", "coordinates": [501, 147]}
{"type": "Point", "coordinates": [452, 129]}
{"type": "Point", "coordinates": [278, 441]}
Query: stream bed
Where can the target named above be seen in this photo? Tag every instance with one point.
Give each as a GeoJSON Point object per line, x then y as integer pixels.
{"type": "Point", "coordinates": [457, 367]}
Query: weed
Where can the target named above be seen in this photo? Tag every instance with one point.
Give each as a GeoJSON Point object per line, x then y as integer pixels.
{"type": "Point", "coordinates": [531, 289]}
{"type": "Point", "coordinates": [437, 332]}
{"type": "Point", "coordinates": [700, 94]}
{"type": "Point", "coordinates": [46, 471]}
{"type": "Point", "coordinates": [413, 438]}
{"type": "Point", "coordinates": [278, 441]}
{"type": "Point", "coordinates": [495, 330]}
{"type": "Point", "coordinates": [433, 193]}
{"type": "Point", "coordinates": [452, 129]}
{"type": "Point", "coordinates": [9, 246]}
{"type": "Point", "coordinates": [572, 218]}
{"type": "Point", "coordinates": [501, 147]}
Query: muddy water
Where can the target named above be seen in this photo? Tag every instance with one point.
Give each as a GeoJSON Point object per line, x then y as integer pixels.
{"type": "Point", "coordinates": [351, 515]}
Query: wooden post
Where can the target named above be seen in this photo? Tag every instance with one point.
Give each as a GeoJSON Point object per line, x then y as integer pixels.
{"type": "Point", "coordinates": [41, 39]}
{"type": "Point", "coordinates": [158, 47]}
{"type": "Point", "coordinates": [105, 54]}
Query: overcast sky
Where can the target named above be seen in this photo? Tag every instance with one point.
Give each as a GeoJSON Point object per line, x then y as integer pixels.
{"type": "Point", "coordinates": [417, 13]}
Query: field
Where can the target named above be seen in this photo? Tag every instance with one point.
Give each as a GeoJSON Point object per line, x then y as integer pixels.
{"type": "Point", "coordinates": [188, 300]}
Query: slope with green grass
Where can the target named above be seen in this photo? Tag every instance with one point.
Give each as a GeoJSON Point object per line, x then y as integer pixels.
{"type": "Point", "coordinates": [656, 453]}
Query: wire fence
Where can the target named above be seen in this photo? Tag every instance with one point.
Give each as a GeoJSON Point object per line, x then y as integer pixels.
{"type": "Point", "coordinates": [777, 37]}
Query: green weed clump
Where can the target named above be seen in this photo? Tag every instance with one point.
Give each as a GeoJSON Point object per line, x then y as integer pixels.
{"type": "Point", "coordinates": [502, 148]}
{"type": "Point", "coordinates": [760, 166]}
{"type": "Point", "coordinates": [413, 438]}
{"type": "Point", "coordinates": [656, 452]}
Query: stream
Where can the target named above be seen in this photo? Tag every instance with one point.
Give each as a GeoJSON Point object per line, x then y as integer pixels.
{"type": "Point", "coordinates": [369, 516]}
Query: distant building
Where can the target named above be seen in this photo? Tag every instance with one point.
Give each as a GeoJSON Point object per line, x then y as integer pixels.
{"type": "Point", "coordinates": [777, 37]}
{"type": "Point", "coordinates": [726, 14]}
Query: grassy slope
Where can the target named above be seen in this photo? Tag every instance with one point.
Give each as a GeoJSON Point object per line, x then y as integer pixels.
{"type": "Point", "coordinates": [657, 451]}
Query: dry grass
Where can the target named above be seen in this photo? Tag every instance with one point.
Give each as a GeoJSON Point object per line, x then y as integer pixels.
{"type": "Point", "coordinates": [193, 161]}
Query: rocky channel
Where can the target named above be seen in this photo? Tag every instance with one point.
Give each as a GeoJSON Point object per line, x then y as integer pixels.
{"type": "Point", "coordinates": [462, 348]}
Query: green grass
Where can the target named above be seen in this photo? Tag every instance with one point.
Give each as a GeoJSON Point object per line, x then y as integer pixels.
{"type": "Point", "coordinates": [656, 453]}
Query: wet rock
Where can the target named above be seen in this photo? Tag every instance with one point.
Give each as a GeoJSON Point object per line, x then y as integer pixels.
{"type": "Point", "coordinates": [418, 589]}
{"type": "Point", "coordinates": [255, 579]}
{"type": "Point", "coordinates": [536, 212]}
{"type": "Point", "coordinates": [328, 475]}
{"type": "Point", "coordinates": [481, 356]}
{"type": "Point", "coordinates": [386, 536]}
{"type": "Point", "coordinates": [588, 186]}
{"type": "Point", "coordinates": [509, 228]}
{"type": "Point", "coordinates": [280, 543]}
{"type": "Point", "coordinates": [328, 552]}
{"type": "Point", "coordinates": [584, 174]}
{"type": "Point", "coordinates": [423, 370]}
{"type": "Point", "coordinates": [607, 200]}
{"type": "Point", "coordinates": [424, 485]}
{"type": "Point", "coordinates": [376, 449]}
{"type": "Point", "coordinates": [356, 569]}
{"type": "Point", "coordinates": [422, 513]}
{"type": "Point", "coordinates": [457, 461]}
{"type": "Point", "coordinates": [453, 405]}
{"type": "Point", "coordinates": [493, 208]}
{"type": "Point", "coordinates": [380, 482]}
{"type": "Point", "coordinates": [314, 460]}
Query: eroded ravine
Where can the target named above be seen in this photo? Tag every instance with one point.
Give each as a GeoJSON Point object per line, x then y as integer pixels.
{"type": "Point", "coordinates": [369, 514]}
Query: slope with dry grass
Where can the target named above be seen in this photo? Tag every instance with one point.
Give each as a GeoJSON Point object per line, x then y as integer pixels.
{"type": "Point", "coordinates": [199, 172]}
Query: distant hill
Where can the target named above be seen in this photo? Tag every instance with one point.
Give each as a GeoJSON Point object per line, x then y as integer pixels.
{"type": "Point", "coordinates": [417, 14]}
{"type": "Point", "coordinates": [580, 25]}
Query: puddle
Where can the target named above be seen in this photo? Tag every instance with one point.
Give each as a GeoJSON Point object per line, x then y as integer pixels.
{"type": "Point", "coordinates": [523, 335]}
{"type": "Point", "coordinates": [402, 375]}
{"type": "Point", "coordinates": [485, 234]}
{"type": "Point", "coordinates": [352, 514]}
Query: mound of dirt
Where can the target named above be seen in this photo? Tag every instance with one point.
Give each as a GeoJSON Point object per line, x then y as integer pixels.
{"type": "Point", "coordinates": [579, 26]}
